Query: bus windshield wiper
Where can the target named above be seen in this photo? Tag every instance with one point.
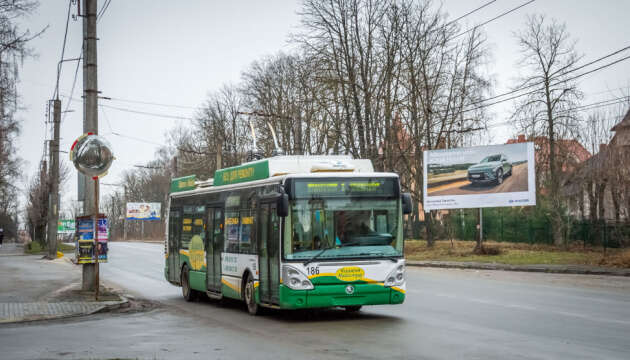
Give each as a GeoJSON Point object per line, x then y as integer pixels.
{"type": "Point", "coordinates": [317, 255]}
{"type": "Point", "coordinates": [388, 257]}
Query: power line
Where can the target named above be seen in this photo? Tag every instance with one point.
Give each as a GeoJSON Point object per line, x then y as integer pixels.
{"type": "Point", "coordinates": [471, 12]}
{"type": "Point", "coordinates": [585, 107]}
{"type": "Point", "coordinates": [555, 83]}
{"type": "Point", "coordinates": [177, 117]}
{"type": "Point", "coordinates": [63, 50]}
{"type": "Point", "coordinates": [542, 82]}
{"type": "Point", "coordinates": [493, 19]}
{"type": "Point", "coordinates": [74, 82]}
{"type": "Point", "coordinates": [152, 103]}
{"type": "Point", "coordinates": [107, 120]}
{"type": "Point", "coordinates": [146, 113]}
{"type": "Point", "coordinates": [103, 10]}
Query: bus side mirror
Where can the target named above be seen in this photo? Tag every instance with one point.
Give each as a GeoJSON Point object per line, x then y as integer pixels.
{"type": "Point", "coordinates": [407, 208]}
{"type": "Point", "coordinates": [283, 205]}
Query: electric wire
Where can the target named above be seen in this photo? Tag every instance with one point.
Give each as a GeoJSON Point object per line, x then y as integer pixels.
{"type": "Point", "coordinates": [103, 10]}
{"type": "Point", "coordinates": [525, 87]}
{"type": "Point", "coordinates": [63, 50]}
{"type": "Point", "coordinates": [493, 19]}
{"type": "Point", "coordinates": [151, 103]}
{"type": "Point", "coordinates": [553, 84]}
{"type": "Point", "coordinates": [471, 12]}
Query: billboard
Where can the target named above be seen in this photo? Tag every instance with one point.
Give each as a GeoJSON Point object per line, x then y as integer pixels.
{"type": "Point", "coordinates": [480, 176]}
{"type": "Point", "coordinates": [143, 211]}
{"type": "Point", "coordinates": [65, 227]}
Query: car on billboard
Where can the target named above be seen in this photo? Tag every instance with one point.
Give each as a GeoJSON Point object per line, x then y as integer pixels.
{"type": "Point", "coordinates": [493, 168]}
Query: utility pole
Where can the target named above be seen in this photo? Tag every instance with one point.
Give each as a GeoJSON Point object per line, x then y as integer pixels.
{"type": "Point", "coordinates": [53, 194]}
{"type": "Point", "coordinates": [90, 123]}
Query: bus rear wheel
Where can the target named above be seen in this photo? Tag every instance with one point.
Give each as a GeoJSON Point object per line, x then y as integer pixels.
{"type": "Point", "coordinates": [249, 296]}
{"type": "Point", "coordinates": [188, 293]}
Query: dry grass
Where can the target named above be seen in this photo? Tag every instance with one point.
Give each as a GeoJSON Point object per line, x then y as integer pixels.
{"type": "Point", "coordinates": [517, 253]}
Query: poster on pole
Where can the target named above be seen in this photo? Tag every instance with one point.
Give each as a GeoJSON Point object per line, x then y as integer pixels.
{"type": "Point", "coordinates": [143, 211]}
{"type": "Point", "coordinates": [480, 176]}
{"type": "Point", "coordinates": [85, 239]}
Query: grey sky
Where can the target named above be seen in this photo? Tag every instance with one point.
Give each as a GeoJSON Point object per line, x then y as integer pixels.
{"type": "Point", "coordinates": [175, 52]}
{"type": "Point", "coordinates": [513, 152]}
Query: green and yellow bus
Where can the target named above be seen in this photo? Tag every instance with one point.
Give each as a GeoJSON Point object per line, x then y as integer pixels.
{"type": "Point", "coordinates": [289, 232]}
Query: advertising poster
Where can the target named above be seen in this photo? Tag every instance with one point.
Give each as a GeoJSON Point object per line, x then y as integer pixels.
{"type": "Point", "coordinates": [65, 227]}
{"type": "Point", "coordinates": [85, 240]}
{"type": "Point", "coordinates": [143, 211]}
{"type": "Point", "coordinates": [481, 176]}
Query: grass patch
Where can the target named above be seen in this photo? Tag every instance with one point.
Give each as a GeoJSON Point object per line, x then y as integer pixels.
{"type": "Point", "coordinates": [516, 253]}
{"type": "Point", "coordinates": [34, 248]}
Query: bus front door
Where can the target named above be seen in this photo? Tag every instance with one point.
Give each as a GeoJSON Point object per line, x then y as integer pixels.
{"type": "Point", "coordinates": [268, 254]}
{"type": "Point", "coordinates": [172, 260]}
{"type": "Point", "coordinates": [214, 247]}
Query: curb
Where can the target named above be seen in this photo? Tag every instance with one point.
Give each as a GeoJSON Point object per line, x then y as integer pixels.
{"type": "Point", "coordinates": [552, 269]}
{"type": "Point", "coordinates": [104, 308]}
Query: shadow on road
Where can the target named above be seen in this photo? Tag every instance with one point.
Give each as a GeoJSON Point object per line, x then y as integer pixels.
{"type": "Point", "coordinates": [300, 316]}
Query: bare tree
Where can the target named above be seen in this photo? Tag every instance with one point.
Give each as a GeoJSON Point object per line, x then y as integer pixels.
{"type": "Point", "coordinates": [548, 56]}
{"type": "Point", "coordinates": [13, 50]}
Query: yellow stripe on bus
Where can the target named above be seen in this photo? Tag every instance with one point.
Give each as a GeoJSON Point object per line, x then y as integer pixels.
{"type": "Point", "coordinates": [231, 286]}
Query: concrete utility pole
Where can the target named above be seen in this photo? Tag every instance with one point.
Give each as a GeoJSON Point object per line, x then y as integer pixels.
{"type": "Point", "coordinates": [90, 120]}
{"type": "Point", "coordinates": [53, 194]}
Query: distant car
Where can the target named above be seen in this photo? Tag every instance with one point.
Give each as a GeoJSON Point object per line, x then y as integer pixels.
{"type": "Point", "coordinates": [492, 168]}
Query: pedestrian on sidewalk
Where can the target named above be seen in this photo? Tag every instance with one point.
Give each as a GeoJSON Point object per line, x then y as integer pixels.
{"type": "Point", "coordinates": [1, 236]}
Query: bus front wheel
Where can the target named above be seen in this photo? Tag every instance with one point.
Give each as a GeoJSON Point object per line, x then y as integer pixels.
{"type": "Point", "coordinates": [250, 298]}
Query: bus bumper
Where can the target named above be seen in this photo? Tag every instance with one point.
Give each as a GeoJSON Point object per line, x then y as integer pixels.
{"type": "Point", "coordinates": [338, 295]}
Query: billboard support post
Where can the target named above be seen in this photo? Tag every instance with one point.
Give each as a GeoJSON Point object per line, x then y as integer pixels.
{"type": "Point", "coordinates": [480, 226]}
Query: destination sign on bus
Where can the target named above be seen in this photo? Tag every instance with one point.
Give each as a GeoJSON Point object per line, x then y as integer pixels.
{"type": "Point", "coordinates": [344, 187]}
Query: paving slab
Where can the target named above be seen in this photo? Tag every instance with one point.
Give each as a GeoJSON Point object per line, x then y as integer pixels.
{"type": "Point", "coordinates": [32, 288]}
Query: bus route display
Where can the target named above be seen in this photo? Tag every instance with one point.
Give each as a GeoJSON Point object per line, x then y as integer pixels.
{"type": "Point", "coordinates": [344, 187]}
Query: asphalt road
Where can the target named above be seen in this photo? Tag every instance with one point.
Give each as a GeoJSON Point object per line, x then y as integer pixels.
{"type": "Point", "coordinates": [515, 182]}
{"type": "Point", "coordinates": [448, 314]}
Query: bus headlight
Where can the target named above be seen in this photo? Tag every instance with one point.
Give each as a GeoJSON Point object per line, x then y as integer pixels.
{"type": "Point", "coordinates": [295, 279]}
{"type": "Point", "coordinates": [396, 277]}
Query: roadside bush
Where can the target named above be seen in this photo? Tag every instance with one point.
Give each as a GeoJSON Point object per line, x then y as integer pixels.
{"type": "Point", "coordinates": [33, 247]}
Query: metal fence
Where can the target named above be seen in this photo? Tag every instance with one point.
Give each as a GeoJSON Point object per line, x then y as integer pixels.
{"type": "Point", "coordinates": [510, 226]}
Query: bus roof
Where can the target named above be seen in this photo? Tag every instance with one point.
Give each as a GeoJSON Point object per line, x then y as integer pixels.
{"type": "Point", "coordinates": [255, 171]}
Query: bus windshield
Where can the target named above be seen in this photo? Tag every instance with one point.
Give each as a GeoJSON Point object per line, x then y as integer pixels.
{"type": "Point", "coordinates": [343, 228]}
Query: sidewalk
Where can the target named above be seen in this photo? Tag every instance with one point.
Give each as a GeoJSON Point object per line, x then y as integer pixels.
{"type": "Point", "coordinates": [557, 269]}
{"type": "Point", "coordinates": [35, 289]}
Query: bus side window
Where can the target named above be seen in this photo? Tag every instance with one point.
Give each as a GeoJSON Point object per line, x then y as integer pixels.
{"type": "Point", "coordinates": [247, 234]}
{"type": "Point", "coordinates": [231, 231]}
